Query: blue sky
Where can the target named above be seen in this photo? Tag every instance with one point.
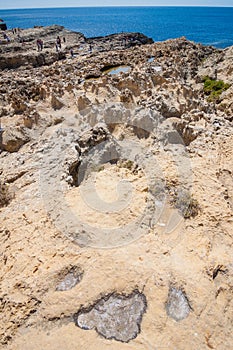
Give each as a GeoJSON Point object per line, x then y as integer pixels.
{"type": "Point", "coordinates": [11, 4]}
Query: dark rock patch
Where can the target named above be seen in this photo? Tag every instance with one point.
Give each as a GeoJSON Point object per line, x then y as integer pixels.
{"type": "Point", "coordinates": [115, 316]}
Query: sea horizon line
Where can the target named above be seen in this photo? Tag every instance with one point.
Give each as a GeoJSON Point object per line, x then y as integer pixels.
{"type": "Point", "coordinates": [126, 6]}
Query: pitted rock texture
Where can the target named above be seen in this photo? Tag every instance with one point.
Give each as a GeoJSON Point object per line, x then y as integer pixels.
{"type": "Point", "coordinates": [57, 112]}
{"type": "Point", "coordinates": [22, 49]}
{"type": "Point", "coordinates": [114, 316]}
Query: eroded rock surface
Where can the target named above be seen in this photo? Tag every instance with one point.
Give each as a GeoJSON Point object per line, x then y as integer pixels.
{"type": "Point", "coordinates": [153, 208]}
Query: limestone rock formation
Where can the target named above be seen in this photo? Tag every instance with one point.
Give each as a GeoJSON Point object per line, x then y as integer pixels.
{"type": "Point", "coordinates": [12, 140]}
{"type": "Point", "coordinates": [116, 193]}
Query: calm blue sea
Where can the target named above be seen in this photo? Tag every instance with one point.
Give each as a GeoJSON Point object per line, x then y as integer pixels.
{"type": "Point", "coordinates": [207, 25]}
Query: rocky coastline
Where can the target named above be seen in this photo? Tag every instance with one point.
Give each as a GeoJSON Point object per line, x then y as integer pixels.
{"type": "Point", "coordinates": [116, 192]}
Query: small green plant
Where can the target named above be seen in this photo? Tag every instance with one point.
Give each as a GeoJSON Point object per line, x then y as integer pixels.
{"type": "Point", "coordinates": [213, 88]}
{"type": "Point", "coordinates": [5, 196]}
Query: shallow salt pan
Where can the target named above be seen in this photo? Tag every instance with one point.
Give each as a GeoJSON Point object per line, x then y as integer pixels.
{"type": "Point", "coordinates": [114, 316]}
{"type": "Point", "coordinates": [157, 68]}
{"type": "Point", "coordinates": [117, 70]}
{"type": "Point", "coordinates": [151, 59]}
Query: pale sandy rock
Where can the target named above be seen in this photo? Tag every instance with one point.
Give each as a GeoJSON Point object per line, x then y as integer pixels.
{"type": "Point", "coordinates": [83, 102]}
{"type": "Point", "coordinates": [56, 102]}
{"type": "Point", "coordinates": [13, 139]}
{"type": "Point", "coordinates": [153, 149]}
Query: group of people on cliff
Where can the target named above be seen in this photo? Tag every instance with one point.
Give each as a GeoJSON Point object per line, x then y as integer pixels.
{"type": "Point", "coordinates": [58, 45]}
{"type": "Point", "coordinates": [6, 38]}
{"type": "Point", "coordinates": [16, 37]}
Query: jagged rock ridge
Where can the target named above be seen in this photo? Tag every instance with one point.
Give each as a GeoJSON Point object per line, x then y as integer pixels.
{"type": "Point", "coordinates": [153, 209]}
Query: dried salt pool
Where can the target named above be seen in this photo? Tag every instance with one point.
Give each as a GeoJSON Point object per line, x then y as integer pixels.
{"type": "Point", "coordinates": [117, 70]}
{"type": "Point", "coordinates": [157, 68]}
{"type": "Point", "coordinates": [151, 59]}
{"type": "Point", "coordinates": [114, 316]}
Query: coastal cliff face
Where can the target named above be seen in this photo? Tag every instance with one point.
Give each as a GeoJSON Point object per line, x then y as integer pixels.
{"type": "Point", "coordinates": [116, 193]}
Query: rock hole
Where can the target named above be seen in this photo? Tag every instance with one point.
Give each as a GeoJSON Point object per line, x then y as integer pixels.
{"type": "Point", "coordinates": [92, 76]}
{"type": "Point", "coordinates": [218, 269]}
{"type": "Point", "coordinates": [85, 143]}
{"type": "Point", "coordinates": [108, 67]}
{"type": "Point", "coordinates": [74, 173]}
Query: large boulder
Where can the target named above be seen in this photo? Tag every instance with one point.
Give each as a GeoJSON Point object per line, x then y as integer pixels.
{"type": "Point", "coordinates": [13, 139]}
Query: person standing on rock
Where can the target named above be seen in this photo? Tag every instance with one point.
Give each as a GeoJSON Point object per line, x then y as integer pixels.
{"type": "Point", "coordinates": [6, 37]}
{"type": "Point", "coordinates": [58, 44]}
{"type": "Point", "coordinates": [39, 44]}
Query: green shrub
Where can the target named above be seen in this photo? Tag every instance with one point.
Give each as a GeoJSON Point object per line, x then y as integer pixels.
{"type": "Point", "coordinates": [213, 88]}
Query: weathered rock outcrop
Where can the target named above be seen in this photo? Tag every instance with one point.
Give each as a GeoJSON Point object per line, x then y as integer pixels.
{"type": "Point", "coordinates": [22, 49]}
{"type": "Point", "coordinates": [13, 139]}
{"type": "Point", "coordinates": [118, 230]}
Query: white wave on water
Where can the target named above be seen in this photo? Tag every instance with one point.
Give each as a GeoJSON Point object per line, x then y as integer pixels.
{"type": "Point", "coordinates": [221, 43]}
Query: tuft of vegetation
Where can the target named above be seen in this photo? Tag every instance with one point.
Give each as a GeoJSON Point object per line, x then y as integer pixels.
{"type": "Point", "coordinates": [100, 168]}
{"type": "Point", "coordinates": [213, 88]}
{"type": "Point", "coordinates": [186, 204]}
{"type": "Point", "coordinates": [128, 164]}
{"type": "Point", "coordinates": [5, 196]}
